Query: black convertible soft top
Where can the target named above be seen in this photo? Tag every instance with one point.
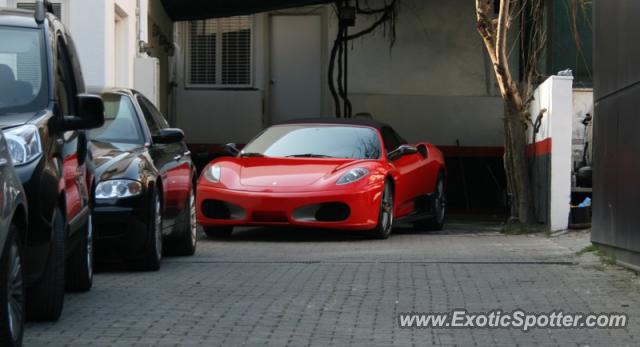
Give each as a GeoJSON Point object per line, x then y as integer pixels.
{"type": "Point", "coordinates": [338, 121]}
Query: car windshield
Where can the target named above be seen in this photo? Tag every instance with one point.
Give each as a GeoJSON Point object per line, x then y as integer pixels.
{"type": "Point", "coordinates": [23, 77]}
{"type": "Point", "coordinates": [121, 123]}
{"type": "Point", "coordinates": [321, 141]}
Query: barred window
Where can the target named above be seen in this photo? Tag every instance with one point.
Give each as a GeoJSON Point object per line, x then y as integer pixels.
{"type": "Point", "coordinates": [220, 52]}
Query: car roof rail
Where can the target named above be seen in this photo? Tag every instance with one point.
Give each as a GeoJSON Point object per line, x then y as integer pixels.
{"type": "Point", "coordinates": [42, 7]}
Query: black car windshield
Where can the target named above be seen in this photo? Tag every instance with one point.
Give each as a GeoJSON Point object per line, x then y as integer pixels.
{"type": "Point", "coordinates": [316, 141]}
{"type": "Point", "coordinates": [121, 124]}
{"type": "Point", "coordinates": [23, 77]}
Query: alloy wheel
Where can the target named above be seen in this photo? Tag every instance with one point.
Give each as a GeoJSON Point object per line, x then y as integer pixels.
{"type": "Point", "coordinates": [15, 292]}
{"type": "Point", "coordinates": [158, 227]}
{"type": "Point", "coordinates": [441, 202]}
{"type": "Point", "coordinates": [387, 209]}
{"type": "Point", "coordinates": [90, 246]}
{"type": "Point", "coordinates": [193, 225]}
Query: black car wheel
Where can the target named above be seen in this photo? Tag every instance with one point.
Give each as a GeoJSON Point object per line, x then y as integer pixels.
{"type": "Point", "coordinates": [439, 208]}
{"type": "Point", "coordinates": [218, 232]}
{"type": "Point", "coordinates": [185, 243]}
{"type": "Point", "coordinates": [80, 265]}
{"type": "Point", "coordinates": [385, 217]}
{"type": "Point", "coordinates": [12, 292]}
{"type": "Point", "coordinates": [152, 253]}
{"type": "Point", "coordinates": [46, 298]}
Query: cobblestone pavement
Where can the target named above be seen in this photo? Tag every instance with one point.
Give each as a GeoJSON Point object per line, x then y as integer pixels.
{"type": "Point", "coordinates": [305, 287]}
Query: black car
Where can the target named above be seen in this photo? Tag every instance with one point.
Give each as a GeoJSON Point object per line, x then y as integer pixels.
{"type": "Point", "coordinates": [145, 192]}
{"type": "Point", "coordinates": [42, 111]}
{"type": "Point", "coordinates": [13, 224]}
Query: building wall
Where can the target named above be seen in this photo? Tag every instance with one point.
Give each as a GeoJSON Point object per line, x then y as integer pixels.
{"type": "Point", "coordinates": [434, 84]}
{"type": "Point", "coordinates": [160, 34]}
{"type": "Point", "coordinates": [616, 123]}
{"type": "Point", "coordinates": [92, 25]}
{"type": "Point", "coordinates": [551, 154]}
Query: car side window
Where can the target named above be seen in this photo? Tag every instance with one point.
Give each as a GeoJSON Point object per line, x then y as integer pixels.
{"type": "Point", "coordinates": [154, 127]}
{"type": "Point", "coordinates": [162, 122]}
{"type": "Point", "coordinates": [391, 141]}
{"type": "Point", "coordinates": [66, 88]}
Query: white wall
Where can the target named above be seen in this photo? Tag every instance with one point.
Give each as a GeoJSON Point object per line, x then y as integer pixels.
{"type": "Point", "coordinates": [220, 116]}
{"type": "Point", "coordinates": [555, 95]}
{"type": "Point", "coordinates": [434, 84]}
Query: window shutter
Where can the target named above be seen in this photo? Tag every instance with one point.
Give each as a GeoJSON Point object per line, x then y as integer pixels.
{"type": "Point", "coordinates": [203, 52]}
{"type": "Point", "coordinates": [236, 50]}
{"type": "Point", "coordinates": [220, 52]}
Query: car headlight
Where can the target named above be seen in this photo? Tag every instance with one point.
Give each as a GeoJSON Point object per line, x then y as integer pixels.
{"type": "Point", "coordinates": [212, 173]}
{"type": "Point", "coordinates": [353, 175]}
{"type": "Point", "coordinates": [24, 144]}
{"type": "Point", "coordinates": [118, 189]}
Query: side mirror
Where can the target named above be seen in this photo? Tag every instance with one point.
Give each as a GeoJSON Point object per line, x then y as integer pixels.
{"type": "Point", "coordinates": [168, 135]}
{"type": "Point", "coordinates": [90, 114]}
{"type": "Point", "coordinates": [401, 152]}
{"type": "Point", "coordinates": [232, 149]}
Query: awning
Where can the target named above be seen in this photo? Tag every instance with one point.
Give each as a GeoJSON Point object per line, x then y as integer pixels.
{"type": "Point", "coordinates": [182, 10]}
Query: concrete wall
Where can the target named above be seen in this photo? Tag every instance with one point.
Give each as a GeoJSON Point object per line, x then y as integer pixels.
{"type": "Point", "coordinates": [551, 154]}
{"type": "Point", "coordinates": [435, 83]}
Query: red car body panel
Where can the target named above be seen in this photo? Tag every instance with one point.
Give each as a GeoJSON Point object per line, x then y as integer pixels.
{"type": "Point", "coordinates": [270, 190]}
{"type": "Point", "coordinates": [177, 184]}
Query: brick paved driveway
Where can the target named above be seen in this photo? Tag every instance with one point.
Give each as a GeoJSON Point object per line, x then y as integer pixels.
{"type": "Point", "coordinates": [291, 287]}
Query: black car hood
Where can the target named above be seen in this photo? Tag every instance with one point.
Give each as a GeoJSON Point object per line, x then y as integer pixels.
{"type": "Point", "coordinates": [116, 160]}
{"type": "Point", "coordinates": [16, 119]}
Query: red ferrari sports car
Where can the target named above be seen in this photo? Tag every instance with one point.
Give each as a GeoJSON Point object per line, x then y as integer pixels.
{"type": "Point", "coordinates": [351, 174]}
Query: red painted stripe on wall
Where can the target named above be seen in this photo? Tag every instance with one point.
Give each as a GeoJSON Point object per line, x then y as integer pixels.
{"type": "Point", "coordinates": [539, 148]}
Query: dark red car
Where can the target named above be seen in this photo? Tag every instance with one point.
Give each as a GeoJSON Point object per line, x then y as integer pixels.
{"type": "Point", "coordinates": [351, 174]}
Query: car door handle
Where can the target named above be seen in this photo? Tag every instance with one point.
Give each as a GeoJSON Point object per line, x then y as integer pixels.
{"type": "Point", "coordinates": [186, 154]}
{"type": "Point", "coordinates": [177, 157]}
{"type": "Point", "coordinates": [3, 162]}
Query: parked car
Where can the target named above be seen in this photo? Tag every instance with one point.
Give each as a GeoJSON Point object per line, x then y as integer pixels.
{"type": "Point", "coordinates": [13, 227]}
{"type": "Point", "coordinates": [43, 109]}
{"type": "Point", "coordinates": [145, 192]}
{"type": "Point", "coordinates": [353, 174]}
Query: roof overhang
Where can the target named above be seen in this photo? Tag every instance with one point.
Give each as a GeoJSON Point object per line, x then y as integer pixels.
{"type": "Point", "coordinates": [182, 10]}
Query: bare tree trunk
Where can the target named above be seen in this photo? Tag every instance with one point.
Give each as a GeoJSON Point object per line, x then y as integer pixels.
{"type": "Point", "coordinates": [494, 36]}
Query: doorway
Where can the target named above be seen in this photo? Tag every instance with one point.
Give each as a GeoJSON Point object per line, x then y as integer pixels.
{"type": "Point", "coordinates": [295, 67]}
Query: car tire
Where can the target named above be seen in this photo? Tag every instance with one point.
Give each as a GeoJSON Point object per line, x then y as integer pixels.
{"type": "Point", "coordinates": [80, 264]}
{"type": "Point", "coordinates": [385, 217]}
{"type": "Point", "coordinates": [438, 206]}
{"type": "Point", "coordinates": [12, 291]}
{"type": "Point", "coordinates": [46, 298]}
{"type": "Point", "coordinates": [218, 232]}
{"type": "Point", "coordinates": [186, 241]}
{"type": "Point", "coordinates": [152, 252]}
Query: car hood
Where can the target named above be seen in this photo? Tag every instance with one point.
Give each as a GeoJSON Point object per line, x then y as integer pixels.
{"type": "Point", "coordinates": [15, 119]}
{"type": "Point", "coordinates": [115, 160]}
{"type": "Point", "coordinates": [287, 172]}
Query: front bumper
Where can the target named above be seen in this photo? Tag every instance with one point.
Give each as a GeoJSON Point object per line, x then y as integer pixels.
{"type": "Point", "coordinates": [120, 227]}
{"type": "Point", "coordinates": [290, 209]}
